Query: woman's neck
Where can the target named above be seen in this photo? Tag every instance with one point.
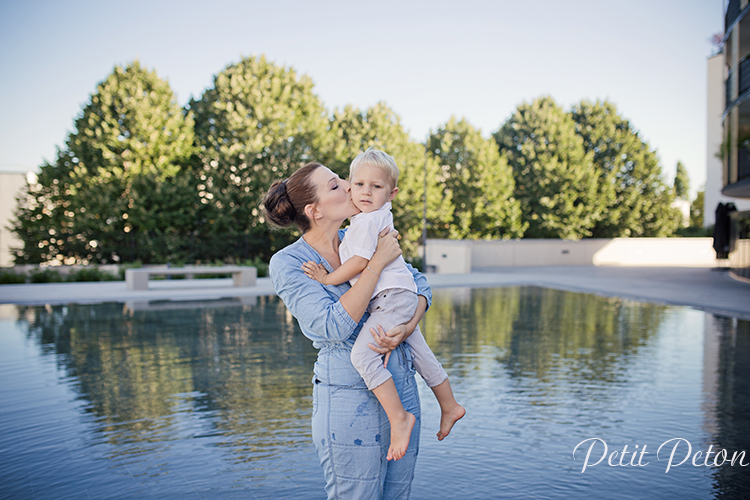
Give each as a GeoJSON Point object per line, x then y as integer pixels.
{"type": "Point", "coordinates": [325, 241]}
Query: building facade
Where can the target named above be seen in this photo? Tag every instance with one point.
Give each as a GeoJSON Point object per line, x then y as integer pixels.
{"type": "Point", "coordinates": [715, 107]}
{"type": "Point", "coordinates": [735, 146]}
{"type": "Point", "coordinates": [11, 185]}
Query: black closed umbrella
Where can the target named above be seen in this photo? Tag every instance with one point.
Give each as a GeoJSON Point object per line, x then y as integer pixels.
{"type": "Point", "coordinates": [722, 229]}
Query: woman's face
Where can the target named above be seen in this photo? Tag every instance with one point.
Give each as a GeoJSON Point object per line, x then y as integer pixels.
{"type": "Point", "coordinates": [334, 195]}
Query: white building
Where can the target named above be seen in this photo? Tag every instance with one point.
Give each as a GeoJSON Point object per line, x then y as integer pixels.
{"type": "Point", "coordinates": [11, 184]}
{"type": "Point", "coordinates": [735, 138]}
{"type": "Point", "coordinates": [715, 106]}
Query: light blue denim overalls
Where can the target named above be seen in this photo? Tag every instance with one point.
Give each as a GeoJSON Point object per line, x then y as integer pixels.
{"type": "Point", "coordinates": [349, 426]}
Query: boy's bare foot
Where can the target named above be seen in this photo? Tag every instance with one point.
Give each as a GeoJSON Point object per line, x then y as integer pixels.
{"type": "Point", "coordinates": [400, 435]}
{"type": "Point", "coordinates": [448, 418]}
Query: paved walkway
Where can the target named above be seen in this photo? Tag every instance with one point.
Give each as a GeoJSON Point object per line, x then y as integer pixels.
{"type": "Point", "coordinates": [702, 288]}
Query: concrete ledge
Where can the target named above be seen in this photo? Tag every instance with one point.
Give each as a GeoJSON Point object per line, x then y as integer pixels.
{"type": "Point", "coordinates": [137, 279]}
{"type": "Point", "coordinates": [117, 291]}
{"type": "Point", "coordinates": [701, 288]}
{"type": "Point", "coordinates": [461, 256]}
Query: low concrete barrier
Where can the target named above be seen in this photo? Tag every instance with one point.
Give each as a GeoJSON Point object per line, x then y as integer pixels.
{"type": "Point", "coordinates": [460, 256]}
{"type": "Point", "coordinates": [137, 279]}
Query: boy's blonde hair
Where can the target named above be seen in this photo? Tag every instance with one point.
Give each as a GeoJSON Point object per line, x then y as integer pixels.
{"type": "Point", "coordinates": [379, 159]}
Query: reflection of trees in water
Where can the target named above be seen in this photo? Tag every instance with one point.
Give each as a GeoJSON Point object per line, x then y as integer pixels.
{"type": "Point", "coordinates": [242, 374]}
{"type": "Point", "coordinates": [540, 331]}
{"type": "Point", "coordinates": [733, 407]}
{"type": "Point", "coordinates": [244, 371]}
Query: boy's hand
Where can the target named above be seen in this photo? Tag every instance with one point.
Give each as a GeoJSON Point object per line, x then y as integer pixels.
{"type": "Point", "coordinates": [315, 271]}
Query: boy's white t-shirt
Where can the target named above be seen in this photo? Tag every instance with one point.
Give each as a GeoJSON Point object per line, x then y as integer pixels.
{"type": "Point", "coordinates": [361, 239]}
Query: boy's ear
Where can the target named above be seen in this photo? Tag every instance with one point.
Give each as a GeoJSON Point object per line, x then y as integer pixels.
{"type": "Point", "coordinates": [393, 194]}
{"type": "Point", "coordinates": [311, 212]}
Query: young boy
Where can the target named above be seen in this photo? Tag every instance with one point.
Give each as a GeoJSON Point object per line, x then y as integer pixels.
{"type": "Point", "coordinates": [373, 176]}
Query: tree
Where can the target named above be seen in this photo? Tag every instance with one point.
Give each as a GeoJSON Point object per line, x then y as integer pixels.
{"type": "Point", "coordinates": [554, 176]}
{"type": "Point", "coordinates": [696, 209]}
{"type": "Point", "coordinates": [120, 189]}
{"type": "Point", "coordinates": [259, 122]}
{"type": "Point", "coordinates": [635, 198]}
{"type": "Point", "coordinates": [480, 182]}
{"type": "Point", "coordinates": [681, 182]}
{"type": "Point", "coordinates": [353, 131]}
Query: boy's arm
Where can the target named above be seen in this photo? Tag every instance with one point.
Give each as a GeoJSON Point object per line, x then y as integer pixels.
{"type": "Point", "coordinates": [346, 271]}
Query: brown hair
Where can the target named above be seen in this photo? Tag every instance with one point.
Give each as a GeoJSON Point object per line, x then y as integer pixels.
{"type": "Point", "coordinates": [285, 202]}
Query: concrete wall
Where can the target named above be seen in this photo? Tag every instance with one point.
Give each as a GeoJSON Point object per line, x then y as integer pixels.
{"type": "Point", "coordinates": [457, 257]}
{"type": "Point", "coordinates": [10, 185]}
{"type": "Point", "coordinates": [669, 252]}
{"type": "Point", "coordinates": [449, 256]}
{"type": "Point", "coordinates": [532, 252]}
{"type": "Point", "coordinates": [739, 260]}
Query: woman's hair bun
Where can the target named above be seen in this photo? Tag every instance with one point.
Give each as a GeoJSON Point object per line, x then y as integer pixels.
{"type": "Point", "coordinates": [279, 209]}
{"type": "Point", "coordinates": [286, 200]}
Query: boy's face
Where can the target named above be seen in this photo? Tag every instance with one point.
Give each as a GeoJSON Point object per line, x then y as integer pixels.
{"type": "Point", "coordinates": [371, 188]}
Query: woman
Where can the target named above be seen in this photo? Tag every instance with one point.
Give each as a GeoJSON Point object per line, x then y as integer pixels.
{"type": "Point", "coordinates": [350, 429]}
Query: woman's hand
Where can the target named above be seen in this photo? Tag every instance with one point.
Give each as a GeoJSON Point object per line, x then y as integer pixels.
{"type": "Point", "coordinates": [386, 342]}
{"type": "Point", "coordinates": [386, 252]}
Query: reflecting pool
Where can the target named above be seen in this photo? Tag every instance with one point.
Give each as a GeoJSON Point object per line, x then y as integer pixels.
{"type": "Point", "coordinates": [213, 400]}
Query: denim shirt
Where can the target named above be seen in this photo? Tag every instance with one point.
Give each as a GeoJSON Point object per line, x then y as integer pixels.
{"type": "Point", "coordinates": [320, 314]}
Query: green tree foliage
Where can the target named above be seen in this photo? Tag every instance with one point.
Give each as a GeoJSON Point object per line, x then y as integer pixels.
{"type": "Point", "coordinates": [554, 175]}
{"type": "Point", "coordinates": [696, 209]}
{"type": "Point", "coordinates": [480, 182]}
{"type": "Point", "coordinates": [118, 190]}
{"type": "Point", "coordinates": [681, 182]}
{"type": "Point", "coordinates": [636, 201]}
{"type": "Point", "coordinates": [141, 179]}
{"type": "Point", "coordinates": [353, 131]}
{"type": "Point", "coordinates": [259, 122]}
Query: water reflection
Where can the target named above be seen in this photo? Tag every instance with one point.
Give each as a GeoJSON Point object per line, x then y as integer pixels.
{"type": "Point", "coordinates": [244, 371]}
{"type": "Point", "coordinates": [537, 332]}
{"type": "Point", "coordinates": [221, 395]}
{"type": "Point", "coordinates": [732, 409]}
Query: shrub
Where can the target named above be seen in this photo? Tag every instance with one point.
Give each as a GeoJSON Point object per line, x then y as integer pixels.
{"type": "Point", "coordinates": [133, 265]}
{"type": "Point", "coordinates": [260, 264]}
{"type": "Point", "coordinates": [46, 275]}
{"type": "Point", "coordinates": [693, 232]}
{"type": "Point", "coordinates": [11, 278]}
{"type": "Point", "coordinates": [416, 262]}
{"type": "Point", "coordinates": [90, 274]}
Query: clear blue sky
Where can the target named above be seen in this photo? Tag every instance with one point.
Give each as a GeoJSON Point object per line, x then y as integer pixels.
{"type": "Point", "coordinates": [427, 59]}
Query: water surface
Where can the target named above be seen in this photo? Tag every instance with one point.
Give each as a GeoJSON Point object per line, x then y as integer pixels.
{"type": "Point", "coordinates": [214, 400]}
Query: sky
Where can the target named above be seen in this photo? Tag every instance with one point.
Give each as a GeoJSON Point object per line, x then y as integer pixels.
{"type": "Point", "coordinates": [428, 60]}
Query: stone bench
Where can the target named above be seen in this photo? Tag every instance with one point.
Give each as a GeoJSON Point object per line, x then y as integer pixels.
{"type": "Point", "coordinates": [137, 279]}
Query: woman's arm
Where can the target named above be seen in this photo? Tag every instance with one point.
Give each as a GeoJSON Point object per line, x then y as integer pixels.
{"type": "Point", "coordinates": [356, 300]}
{"type": "Point", "coordinates": [387, 341]}
{"type": "Point", "coordinates": [423, 287]}
{"type": "Point", "coordinates": [322, 317]}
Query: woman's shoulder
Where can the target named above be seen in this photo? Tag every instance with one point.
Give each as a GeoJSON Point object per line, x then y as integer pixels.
{"type": "Point", "coordinates": [290, 254]}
